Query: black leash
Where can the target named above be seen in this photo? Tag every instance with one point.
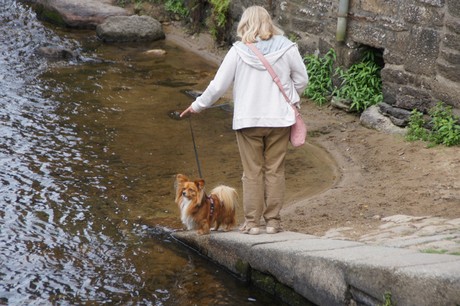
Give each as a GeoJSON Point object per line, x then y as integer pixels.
{"type": "Point", "coordinates": [194, 146]}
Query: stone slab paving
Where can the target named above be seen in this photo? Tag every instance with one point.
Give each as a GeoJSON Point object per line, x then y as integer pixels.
{"type": "Point", "coordinates": [425, 234]}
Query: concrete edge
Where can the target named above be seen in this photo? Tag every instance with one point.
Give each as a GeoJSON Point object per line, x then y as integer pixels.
{"type": "Point", "coordinates": [333, 272]}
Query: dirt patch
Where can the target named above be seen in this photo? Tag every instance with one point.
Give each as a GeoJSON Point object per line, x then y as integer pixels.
{"type": "Point", "coordinates": [380, 175]}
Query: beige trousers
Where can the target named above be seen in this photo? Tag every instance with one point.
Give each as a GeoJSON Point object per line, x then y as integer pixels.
{"type": "Point", "coordinates": [263, 152]}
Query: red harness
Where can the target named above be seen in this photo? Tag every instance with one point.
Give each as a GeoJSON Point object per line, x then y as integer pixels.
{"type": "Point", "coordinates": [211, 212]}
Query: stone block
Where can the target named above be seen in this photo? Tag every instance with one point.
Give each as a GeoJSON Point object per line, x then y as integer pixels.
{"type": "Point", "coordinates": [410, 98]}
{"type": "Point", "coordinates": [319, 280]}
{"type": "Point", "coordinates": [453, 7]}
{"type": "Point", "coordinates": [308, 45]}
{"type": "Point", "coordinates": [393, 56]}
{"type": "Point", "coordinates": [396, 47]}
{"type": "Point", "coordinates": [310, 26]}
{"type": "Point", "coordinates": [422, 15]}
{"type": "Point", "coordinates": [451, 57]}
{"type": "Point", "coordinates": [331, 272]}
{"type": "Point", "coordinates": [402, 272]}
{"type": "Point", "coordinates": [232, 249]}
{"type": "Point", "coordinates": [429, 280]}
{"type": "Point", "coordinates": [381, 7]}
{"type": "Point", "coordinates": [394, 74]}
{"type": "Point", "coordinates": [366, 33]}
{"type": "Point", "coordinates": [437, 3]}
{"type": "Point", "coordinates": [324, 45]}
{"type": "Point", "coordinates": [452, 41]}
{"type": "Point", "coordinates": [397, 74]}
{"type": "Point", "coordinates": [449, 71]}
{"type": "Point", "coordinates": [405, 278]}
{"type": "Point", "coordinates": [390, 91]}
{"type": "Point", "coordinates": [398, 116]}
{"type": "Point", "coordinates": [446, 91]}
{"type": "Point", "coordinates": [423, 51]}
{"type": "Point", "coordinates": [453, 24]}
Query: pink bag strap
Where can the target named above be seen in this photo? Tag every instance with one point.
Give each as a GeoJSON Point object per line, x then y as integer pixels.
{"type": "Point", "coordinates": [269, 68]}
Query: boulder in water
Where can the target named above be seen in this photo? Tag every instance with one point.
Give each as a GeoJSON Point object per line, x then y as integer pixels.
{"type": "Point", "coordinates": [130, 29]}
{"type": "Point", "coordinates": [77, 14]}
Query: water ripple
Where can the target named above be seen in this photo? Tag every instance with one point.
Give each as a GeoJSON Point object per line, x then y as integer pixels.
{"type": "Point", "coordinates": [49, 247]}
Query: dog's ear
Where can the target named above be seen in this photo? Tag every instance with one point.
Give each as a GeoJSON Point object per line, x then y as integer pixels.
{"type": "Point", "coordinates": [200, 184]}
{"type": "Point", "coordinates": [180, 178]}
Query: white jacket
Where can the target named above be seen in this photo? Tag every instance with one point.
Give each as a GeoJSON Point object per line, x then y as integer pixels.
{"type": "Point", "coordinates": [258, 102]}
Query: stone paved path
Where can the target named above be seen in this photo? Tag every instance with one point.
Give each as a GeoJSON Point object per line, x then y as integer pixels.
{"type": "Point", "coordinates": [426, 234]}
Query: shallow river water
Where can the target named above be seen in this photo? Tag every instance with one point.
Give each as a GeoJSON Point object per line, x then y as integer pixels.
{"type": "Point", "coordinates": [88, 155]}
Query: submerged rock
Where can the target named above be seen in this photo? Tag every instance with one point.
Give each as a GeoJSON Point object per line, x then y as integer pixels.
{"type": "Point", "coordinates": [130, 29]}
{"type": "Point", "coordinates": [57, 53]}
{"type": "Point", "coordinates": [156, 52]}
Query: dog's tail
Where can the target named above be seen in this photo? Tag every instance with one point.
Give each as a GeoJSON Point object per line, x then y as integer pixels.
{"type": "Point", "coordinates": [227, 195]}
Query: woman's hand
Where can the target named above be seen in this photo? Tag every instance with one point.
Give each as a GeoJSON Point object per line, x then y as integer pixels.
{"type": "Point", "coordinates": [188, 110]}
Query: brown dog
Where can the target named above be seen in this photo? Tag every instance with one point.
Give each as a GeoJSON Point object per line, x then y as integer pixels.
{"type": "Point", "coordinates": [200, 211]}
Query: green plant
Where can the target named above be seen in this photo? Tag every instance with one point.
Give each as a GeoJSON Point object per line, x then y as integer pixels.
{"type": "Point", "coordinates": [445, 127]}
{"type": "Point", "coordinates": [176, 7]}
{"type": "Point", "coordinates": [320, 70]}
{"type": "Point", "coordinates": [293, 37]}
{"type": "Point", "coordinates": [217, 22]}
{"type": "Point", "coordinates": [416, 130]}
{"type": "Point", "coordinates": [138, 5]}
{"type": "Point", "coordinates": [387, 299]}
{"type": "Point", "coordinates": [361, 83]}
{"type": "Point", "coordinates": [122, 3]}
{"type": "Point", "coordinates": [434, 251]}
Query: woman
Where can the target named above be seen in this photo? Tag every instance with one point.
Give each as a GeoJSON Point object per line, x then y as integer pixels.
{"type": "Point", "coordinates": [262, 117]}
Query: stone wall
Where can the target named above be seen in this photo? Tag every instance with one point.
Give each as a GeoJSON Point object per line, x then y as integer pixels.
{"type": "Point", "coordinates": [420, 41]}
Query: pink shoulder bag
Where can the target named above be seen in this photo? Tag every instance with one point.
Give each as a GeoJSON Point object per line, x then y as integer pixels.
{"type": "Point", "coordinates": [298, 129]}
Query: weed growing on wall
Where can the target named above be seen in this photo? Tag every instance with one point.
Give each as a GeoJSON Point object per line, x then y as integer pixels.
{"type": "Point", "coordinates": [320, 71]}
{"type": "Point", "coordinates": [172, 6]}
{"type": "Point", "coordinates": [416, 127]}
{"type": "Point", "coordinates": [387, 299]}
{"type": "Point", "coordinates": [361, 83]}
{"type": "Point", "coordinates": [218, 20]}
{"type": "Point", "coordinates": [124, 3]}
{"type": "Point", "coordinates": [445, 127]}
{"type": "Point", "coordinates": [176, 7]}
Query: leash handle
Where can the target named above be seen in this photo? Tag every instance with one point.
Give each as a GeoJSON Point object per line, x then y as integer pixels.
{"type": "Point", "coordinates": [194, 147]}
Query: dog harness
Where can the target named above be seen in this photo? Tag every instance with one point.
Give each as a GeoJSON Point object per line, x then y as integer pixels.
{"type": "Point", "coordinates": [211, 211]}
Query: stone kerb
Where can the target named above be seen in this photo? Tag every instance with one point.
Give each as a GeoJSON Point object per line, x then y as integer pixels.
{"type": "Point", "coordinates": [336, 272]}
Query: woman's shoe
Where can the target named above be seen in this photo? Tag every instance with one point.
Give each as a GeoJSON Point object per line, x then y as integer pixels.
{"type": "Point", "coordinates": [250, 230]}
{"type": "Point", "coordinates": [271, 230]}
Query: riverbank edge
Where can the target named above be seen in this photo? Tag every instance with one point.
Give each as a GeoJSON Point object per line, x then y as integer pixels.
{"type": "Point", "coordinates": [331, 272]}
{"type": "Point", "coordinates": [300, 268]}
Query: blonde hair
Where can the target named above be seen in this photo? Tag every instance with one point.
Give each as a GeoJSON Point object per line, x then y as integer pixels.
{"type": "Point", "coordinates": [256, 22]}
